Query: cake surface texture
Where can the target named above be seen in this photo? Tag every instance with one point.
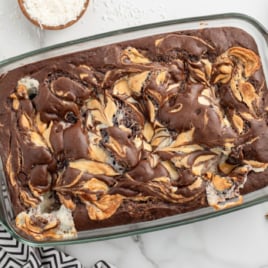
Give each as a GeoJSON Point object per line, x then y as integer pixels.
{"type": "Point", "coordinates": [134, 131]}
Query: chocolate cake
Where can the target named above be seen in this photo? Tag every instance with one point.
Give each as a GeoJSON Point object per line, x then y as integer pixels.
{"type": "Point", "coordinates": [134, 131]}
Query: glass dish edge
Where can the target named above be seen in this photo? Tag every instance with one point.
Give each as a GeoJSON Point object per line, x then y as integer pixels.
{"type": "Point", "coordinates": [251, 199]}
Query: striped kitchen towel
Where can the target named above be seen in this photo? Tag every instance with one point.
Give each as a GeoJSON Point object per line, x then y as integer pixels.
{"type": "Point", "coordinates": [14, 254]}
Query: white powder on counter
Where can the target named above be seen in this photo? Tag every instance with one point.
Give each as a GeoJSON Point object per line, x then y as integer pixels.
{"type": "Point", "coordinates": [129, 12]}
{"type": "Point", "coordinates": [54, 12]}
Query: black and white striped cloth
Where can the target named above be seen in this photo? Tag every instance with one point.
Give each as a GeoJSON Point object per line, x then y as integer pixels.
{"type": "Point", "coordinates": [14, 254]}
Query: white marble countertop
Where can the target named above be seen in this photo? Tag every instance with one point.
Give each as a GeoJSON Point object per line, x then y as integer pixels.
{"type": "Point", "coordinates": [235, 240]}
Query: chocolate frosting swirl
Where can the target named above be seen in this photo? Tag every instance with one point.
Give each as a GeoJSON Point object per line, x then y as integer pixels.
{"type": "Point", "coordinates": [137, 130]}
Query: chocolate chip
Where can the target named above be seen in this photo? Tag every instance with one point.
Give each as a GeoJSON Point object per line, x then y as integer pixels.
{"type": "Point", "coordinates": [247, 126]}
{"type": "Point", "coordinates": [70, 117]}
{"type": "Point", "coordinates": [198, 111]}
{"type": "Point", "coordinates": [232, 160]}
{"type": "Point", "coordinates": [62, 164]}
{"type": "Point", "coordinates": [32, 92]}
{"type": "Point", "coordinates": [193, 58]}
{"type": "Point", "coordinates": [172, 101]}
{"type": "Point", "coordinates": [39, 221]}
{"type": "Point", "coordinates": [105, 136]}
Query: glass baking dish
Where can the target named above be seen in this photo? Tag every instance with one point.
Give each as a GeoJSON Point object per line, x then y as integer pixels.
{"type": "Point", "coordinates": [250, 25]}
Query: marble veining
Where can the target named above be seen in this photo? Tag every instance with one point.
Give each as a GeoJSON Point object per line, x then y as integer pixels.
{"type": "Point", "coordinates": [237, 240]}
{"type": "Point", "coordinates": [143, 251]}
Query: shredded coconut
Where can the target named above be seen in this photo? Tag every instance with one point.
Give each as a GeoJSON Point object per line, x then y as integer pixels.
{"type": "Point", "coordinates": [54, 12]}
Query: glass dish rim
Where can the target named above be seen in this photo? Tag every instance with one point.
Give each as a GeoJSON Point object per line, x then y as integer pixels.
{"type": "Point", "coordinates": [229, 15]}
{"type": "Point", "coordinates": [209, 212]}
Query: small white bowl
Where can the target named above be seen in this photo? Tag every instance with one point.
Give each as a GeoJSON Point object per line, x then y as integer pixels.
{"type": "Point", "coordinates": [49, 27]}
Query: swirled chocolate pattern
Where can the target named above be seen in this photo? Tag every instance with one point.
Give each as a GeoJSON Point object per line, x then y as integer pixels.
{"type": "Point", "coordinates": [134, 131]}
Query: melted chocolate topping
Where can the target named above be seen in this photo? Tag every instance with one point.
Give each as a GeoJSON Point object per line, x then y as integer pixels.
{"type": "Point", "coordinates": [138, 130]}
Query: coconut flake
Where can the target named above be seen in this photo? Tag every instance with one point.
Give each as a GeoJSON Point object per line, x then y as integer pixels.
{"type": "Point", "coordinates": [54, 12]}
